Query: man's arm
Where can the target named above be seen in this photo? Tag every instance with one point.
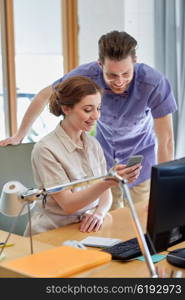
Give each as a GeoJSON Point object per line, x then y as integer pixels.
{"type": "Point", "coordinates": [32, 113]}
{"type": "Point", "coordinates": [164, 132]}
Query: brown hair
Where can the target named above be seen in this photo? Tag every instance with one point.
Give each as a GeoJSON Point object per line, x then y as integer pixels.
{"type": "Point", "coordinates": [70, 92]}
{"type": "Point", "coordinates": [116, 45]}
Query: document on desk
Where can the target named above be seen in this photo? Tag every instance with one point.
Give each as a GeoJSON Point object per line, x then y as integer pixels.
{"type": "Point", "coordinates": [63, 261]}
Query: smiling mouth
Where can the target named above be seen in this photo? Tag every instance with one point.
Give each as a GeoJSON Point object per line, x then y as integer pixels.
{"type": "Point", "coordinates": [121, 87]}
{"type": "Point", "coordinates": [118, 87]}
{"type": "Point", "coordinates": [89, 124]}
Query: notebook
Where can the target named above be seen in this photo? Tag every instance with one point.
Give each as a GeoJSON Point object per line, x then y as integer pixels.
{"type": "Point", "coordinates": [62, 261]}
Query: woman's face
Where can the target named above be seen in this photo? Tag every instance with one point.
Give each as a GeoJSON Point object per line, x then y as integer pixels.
{"type": "Point", "coordinates": [85, 113]}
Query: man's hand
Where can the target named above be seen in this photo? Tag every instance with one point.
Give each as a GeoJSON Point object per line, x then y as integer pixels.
{"type": "Point", "coordinates": [12, 140]}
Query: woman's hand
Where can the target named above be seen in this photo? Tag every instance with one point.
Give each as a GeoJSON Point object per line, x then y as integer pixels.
{"type": "Point", "coordinates": [91, 222]}
{"type": "Point", "coordinates": [129, 173]}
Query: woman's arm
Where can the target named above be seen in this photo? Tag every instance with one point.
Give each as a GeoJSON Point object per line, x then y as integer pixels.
{"type": "Point", "coordinates": [34, 110]}
{"type": "Point", "coordinates": [93, 221]}
{"type": "Point", "coordinates": [73, 201]}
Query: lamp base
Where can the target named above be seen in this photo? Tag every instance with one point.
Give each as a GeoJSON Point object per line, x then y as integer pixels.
{"type": "Point", "coordinates": [13, 227]}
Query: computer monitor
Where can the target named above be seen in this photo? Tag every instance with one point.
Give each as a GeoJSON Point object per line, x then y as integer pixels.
{"type": "Point", "coordinates": [166, 210]}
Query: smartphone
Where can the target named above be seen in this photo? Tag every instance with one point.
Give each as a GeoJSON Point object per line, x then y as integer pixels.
{"type": "Point", "coordinates": [133, 160]}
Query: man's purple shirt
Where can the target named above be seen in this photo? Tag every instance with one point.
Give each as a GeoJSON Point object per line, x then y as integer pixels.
{"type": "Point", "coordinates": [125, 127]}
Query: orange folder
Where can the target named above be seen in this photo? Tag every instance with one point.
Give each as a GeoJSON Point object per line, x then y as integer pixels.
{"type": "Point", "coordinates": [61, 261]}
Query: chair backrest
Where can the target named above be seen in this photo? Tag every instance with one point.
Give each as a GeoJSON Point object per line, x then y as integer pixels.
{"type": "Point", "coordinates": [15, 164]}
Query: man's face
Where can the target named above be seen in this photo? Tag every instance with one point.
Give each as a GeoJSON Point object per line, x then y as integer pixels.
{"type": "Point", "coordinates": [118, 74]}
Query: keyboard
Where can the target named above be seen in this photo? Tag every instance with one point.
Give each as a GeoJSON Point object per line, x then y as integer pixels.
{"type": "Point", "coordinates": [125, 250]}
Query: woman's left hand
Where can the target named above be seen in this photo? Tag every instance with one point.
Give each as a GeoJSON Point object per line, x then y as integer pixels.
{"type": "Point", "coordinates": [129, 173]}
{"type": "Point", "coordinates": [91, 222]}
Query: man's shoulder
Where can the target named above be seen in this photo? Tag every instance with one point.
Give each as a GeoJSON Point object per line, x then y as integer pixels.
{"type": "Point", "coordinates": [91, 70]}
{"type": "Point", "coordinates": [147, 74]}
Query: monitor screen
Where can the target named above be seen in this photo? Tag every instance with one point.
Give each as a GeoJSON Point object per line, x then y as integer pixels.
{"type": "Point", "coordinates": [166, 210]}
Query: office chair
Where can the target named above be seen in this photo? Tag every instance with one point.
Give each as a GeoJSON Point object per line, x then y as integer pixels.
{"type": "Point", "coordinates": [15, 164]}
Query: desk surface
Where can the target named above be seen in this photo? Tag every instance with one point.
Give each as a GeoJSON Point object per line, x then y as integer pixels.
{"type": "Point", "coordinates": [118, 224]}
{"type": "Point", "coordinates": [20, 248]}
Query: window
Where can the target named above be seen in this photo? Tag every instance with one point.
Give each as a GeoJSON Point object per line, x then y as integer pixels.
{"type": "Point", "coordinates": [34, 56]}
{"type": "Point", "coordinates": [2, 115]}
{"type": "Point", "coordinates": [38, 56]}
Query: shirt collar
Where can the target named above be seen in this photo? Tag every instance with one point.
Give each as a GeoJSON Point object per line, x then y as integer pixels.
{"type": "Point", "coordinates": [67, 141]}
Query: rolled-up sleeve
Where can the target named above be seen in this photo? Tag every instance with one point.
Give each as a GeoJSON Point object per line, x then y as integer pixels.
{"type": "Point", "coordinates": [162, 100]}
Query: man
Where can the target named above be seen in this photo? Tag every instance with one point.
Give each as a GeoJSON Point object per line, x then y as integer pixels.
{"type": "Point", "coordinates": [136, 111]}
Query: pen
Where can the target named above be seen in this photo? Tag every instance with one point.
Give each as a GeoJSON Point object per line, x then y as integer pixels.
{"type": "Point", "coordinates": [7, 245]}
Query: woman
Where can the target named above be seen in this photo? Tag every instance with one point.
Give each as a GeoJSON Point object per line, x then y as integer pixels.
{"type": "Point", "coordinates": [68, 153]}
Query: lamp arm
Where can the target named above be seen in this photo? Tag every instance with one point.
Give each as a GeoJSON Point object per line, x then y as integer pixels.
{"type": "Point", "coordinates": [139, 232]}
{"type": "Point", "coordinates": [77, 183]}
{"type": "Point", "coordinates": [37, 194]}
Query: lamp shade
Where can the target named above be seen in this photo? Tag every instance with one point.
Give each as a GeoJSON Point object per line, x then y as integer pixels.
{"type": "Point", "coordinates": [10, 201]}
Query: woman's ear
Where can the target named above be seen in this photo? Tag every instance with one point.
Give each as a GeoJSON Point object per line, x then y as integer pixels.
{"type": "Point", "coordinates": [66, 109]}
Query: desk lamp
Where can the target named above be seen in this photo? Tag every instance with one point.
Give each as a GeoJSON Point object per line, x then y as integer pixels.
{"type": "Point", "coordinates": [12, 205]}
{"type": "Point", "coordinates": [17, 200]}
{"type": "Point", "coordinates": [26, 196]}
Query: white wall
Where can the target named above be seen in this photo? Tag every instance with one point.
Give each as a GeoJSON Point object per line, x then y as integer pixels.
{"type": "Point", "coordinates": [139, 22]}
{"type": "Point", "coordinates": [97, 17]}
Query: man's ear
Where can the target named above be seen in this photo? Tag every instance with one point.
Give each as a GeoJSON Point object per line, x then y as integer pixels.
{"type": "Point", "coordinates": [100, 64]}
{"type": "Point", "coordinates": [135, 59]}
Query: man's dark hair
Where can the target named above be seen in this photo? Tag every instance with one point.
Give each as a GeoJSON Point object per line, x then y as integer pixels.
{"type": "Point", "coordinates": [116, 45]}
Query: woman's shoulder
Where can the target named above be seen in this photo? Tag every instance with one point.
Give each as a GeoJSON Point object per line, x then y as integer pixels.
{"type": "Point", "coordinates": [46, 143]}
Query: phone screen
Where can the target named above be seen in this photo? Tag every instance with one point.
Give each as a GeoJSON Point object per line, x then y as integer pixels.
{"type": "Point", "coordinates": [134, 160]}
